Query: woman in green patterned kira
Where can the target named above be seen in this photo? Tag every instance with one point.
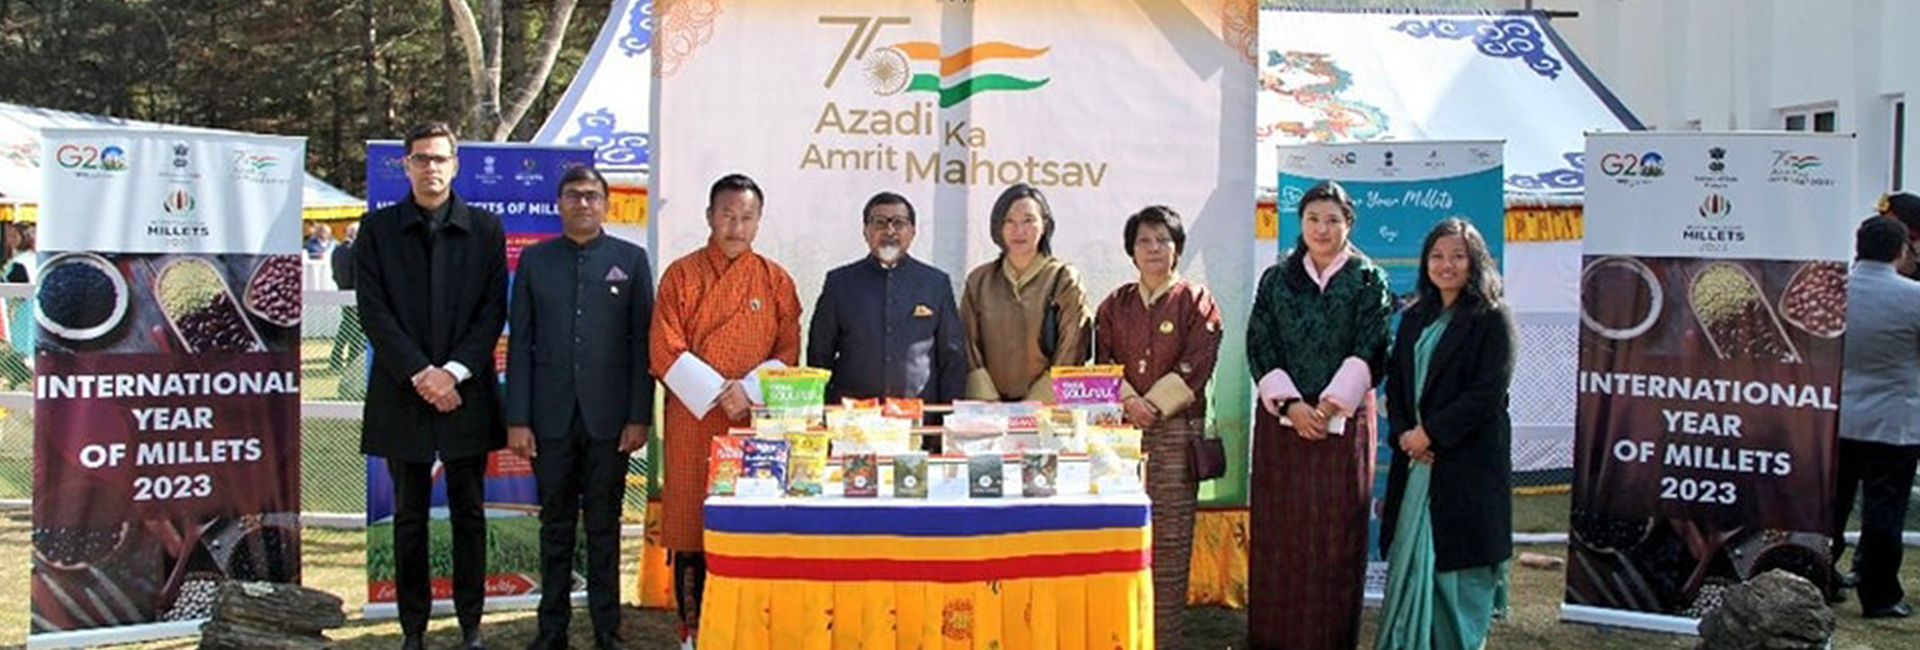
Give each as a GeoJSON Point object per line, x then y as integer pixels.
{"type": "Point", "coordinates": [1316, 343]}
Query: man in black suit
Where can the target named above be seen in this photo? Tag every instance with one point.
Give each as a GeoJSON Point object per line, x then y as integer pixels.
{"type": "Point", "coordinates": [579, 396]}
{"type": "Point", "coordinates": [431, 283]}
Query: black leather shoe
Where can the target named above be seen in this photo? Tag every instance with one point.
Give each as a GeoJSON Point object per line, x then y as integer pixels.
{"type": "Point", "coordinates": [413, 642]}
{"type": "Point", "coordinates": [1837, 596]}
{"type": "Point", "coordinates": [1896, 610]}
{"type": "Point", "coordinates": [471, 640]}
{"type": "Point", "coordinates": [548, 641]}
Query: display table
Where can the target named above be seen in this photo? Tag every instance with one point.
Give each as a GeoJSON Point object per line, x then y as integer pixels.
{"type": "Point", "coordinates": [1063, 572]}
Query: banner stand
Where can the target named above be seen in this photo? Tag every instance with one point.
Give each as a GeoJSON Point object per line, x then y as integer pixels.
{"type": "Point", "coordinates": [444, 607]}
{"type": "Point", "coordinates": [1626, 618]}
{"type": "Point", "coordinates": [114, 635]}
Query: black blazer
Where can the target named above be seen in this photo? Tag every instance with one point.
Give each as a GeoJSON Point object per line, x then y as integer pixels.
{"type": "Point", "coordinates": [342, 262]}
{"type": "Point", "coordinates": [577, 336]}
{"type": "Point", "coordinates": [393, 290]}
{"type": "Point", "coordinates": [1464, 409]}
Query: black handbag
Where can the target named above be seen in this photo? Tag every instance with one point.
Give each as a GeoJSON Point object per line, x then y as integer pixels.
{"type": "Point", "coordinates": [1050, 321]}
{"type": "Point", "coordinates": [1207, 457]}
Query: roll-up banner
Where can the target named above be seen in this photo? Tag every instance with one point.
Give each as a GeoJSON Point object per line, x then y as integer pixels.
{"type": "Point", "coordinates": [167, 388]}
{"type": "Point", "coordinates": [1713, 304]}
{"type": "Point", "coordinates": [1399, 191]}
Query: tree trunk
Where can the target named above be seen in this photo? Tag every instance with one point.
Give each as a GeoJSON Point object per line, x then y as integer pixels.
{"type": "Point", "coordinates": [528, 85]}
{"type": "Point", "coordinates": [379, 110]}
{"type": "Point", "coordinates": [462, 62]}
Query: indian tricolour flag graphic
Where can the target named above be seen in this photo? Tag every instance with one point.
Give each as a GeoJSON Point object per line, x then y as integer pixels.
{"type": "Point", "coordinates": [907, 67]}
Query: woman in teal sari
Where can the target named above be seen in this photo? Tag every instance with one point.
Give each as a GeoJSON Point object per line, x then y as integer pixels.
{"type": "Point", "coordinates": [1449, 506]}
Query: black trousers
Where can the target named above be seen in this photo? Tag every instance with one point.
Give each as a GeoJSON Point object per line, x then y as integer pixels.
{"type": "Point", "coordinates": [1882, 475]}
{"type": "Point", "coordinates": [349, 338]}
{"type": "Point", "coordinates": [412, 492]}
{"type": "Point", "coordinates": [577, 475]}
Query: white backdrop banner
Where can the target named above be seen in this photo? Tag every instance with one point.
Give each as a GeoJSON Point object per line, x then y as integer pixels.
{"type": "Point", "coordinates": [1107, 107]}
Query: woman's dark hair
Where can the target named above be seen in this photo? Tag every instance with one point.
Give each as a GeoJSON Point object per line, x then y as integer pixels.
{"type": "Point", "coordinates": [1483, 288]}
{"type": "Point", "coordinates": [1005, 203]}
{"type": "Point", "coordinates": [1296, 269]}
{"type": "Point", "coordinates": [1159, 215]}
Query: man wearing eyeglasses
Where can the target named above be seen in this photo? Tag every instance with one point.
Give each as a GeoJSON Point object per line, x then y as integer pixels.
{"type": "Point", "coordinates": [580, 397]}
{"type": "Point", "coordinates": [430, 276]}
{"type": "Point", "coordinates": [886, 324]}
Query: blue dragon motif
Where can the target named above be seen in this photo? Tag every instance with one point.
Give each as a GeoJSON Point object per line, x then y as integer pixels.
{"type": "Point", "coordinates": [1505, 38]}
{"type": "Point", "coordinates": [598, 129]}
{"type": "Point", "coordinates": [1572, 177]}
{"type": "Point", "coordinates": [639, 38]}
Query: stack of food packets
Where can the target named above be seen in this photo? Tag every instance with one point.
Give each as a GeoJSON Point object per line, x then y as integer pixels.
{"type": "Point", "coordinates": [974, 427]}
{"type": "Point", "coordinates": [1114, 460]}
{"type": "Point", "coordinates": [863, 426]}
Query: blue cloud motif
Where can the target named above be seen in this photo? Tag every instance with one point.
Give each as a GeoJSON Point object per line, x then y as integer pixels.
{"type": "Point", "coordinates": [639, 38]}
{"type": "Point", "coordinates": [1566, 178]}
{"type": "Point", "coordinates": [598, 129]}
{"type": "Point", "coordinates": [1505, 38]}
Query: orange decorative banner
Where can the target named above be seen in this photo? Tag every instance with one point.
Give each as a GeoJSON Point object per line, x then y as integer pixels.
{"type": "Point", "coordinates": [1549, 224]}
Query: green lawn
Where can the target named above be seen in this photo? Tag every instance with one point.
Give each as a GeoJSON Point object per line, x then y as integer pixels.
{"type": "Point", "coordinates": [336, 562]}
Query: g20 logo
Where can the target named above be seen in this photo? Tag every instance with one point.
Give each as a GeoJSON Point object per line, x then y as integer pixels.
{"type": "Point", "coordinates": [110, 158]}
{"type": "Point", "coordinates": [1646, 165]}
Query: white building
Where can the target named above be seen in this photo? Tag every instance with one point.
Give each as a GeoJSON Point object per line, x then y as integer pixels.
{"type": "Point", "coordinates": [1804, 65]}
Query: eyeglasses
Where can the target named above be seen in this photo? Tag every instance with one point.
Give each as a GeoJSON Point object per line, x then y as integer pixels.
{"type": "Point", "coordinates": [576, 196]}
{"type": "Point", "coordinates": [428, 159]}
{"type": "Point", "coordinates": [896, 223]}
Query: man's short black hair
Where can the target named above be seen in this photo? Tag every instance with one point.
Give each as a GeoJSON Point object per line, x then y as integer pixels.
{"type": "Point", "coordinates": [735, 183]}
{"type": "Point", "coordinates": [1879, 239]}
{"type": "Point", "coordinates": [579, 173]}
{"type": "Point", "coordinates": [432, 130]}
{"type": "Point", "coordinates": [887, 198]}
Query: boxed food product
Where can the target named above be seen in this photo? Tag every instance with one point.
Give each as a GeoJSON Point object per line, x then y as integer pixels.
{"type": "Point", "coordinates": [985, 474]}
{"type": "Point", "coordinates": [947, 478]}
{"type": "Point", "coordinates": [1039, 473]}
{"type": "Point", "coordinates": [910, 475]}
{"type": "Point", "coordinates": [1075, 477]}
{"type": "Point", "coordinates": [861, 478]}
{"type": "Point", "coordinates": [724, 464]}
{"type": "Point", "coordinates": [1114, 459]}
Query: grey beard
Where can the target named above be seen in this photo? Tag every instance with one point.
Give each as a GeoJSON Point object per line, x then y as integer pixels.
{"type": "Point", "coordinates": [888, 253]}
